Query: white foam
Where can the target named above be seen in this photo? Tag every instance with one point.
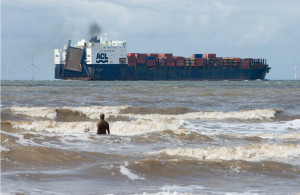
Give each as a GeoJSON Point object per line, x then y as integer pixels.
{"type": "Point", "coordinates": [56, 127]}
{"type": "Point", "coordinates": [129, 174]}
{"type": "Point", "coordinates": [2, 148]}
{"type": "Point", "coordinates": [21, 139]}
{"type": "Point", "coordinates": [259, 114]}
{"type": "Point", "coordinates": [134, 127]}
{"type": "Point", "coordinates": [165, 193]}
{"type": "Point", "coordinates": [256, 152]}
{"type": "Point", "coordinates": [44, 112]}
{"type": "Point", "coordinates": [92, 112]}
{"type": "Point", "coordinates": [141, 126]}
{"type": "Point", "coordinates": [237, 129]}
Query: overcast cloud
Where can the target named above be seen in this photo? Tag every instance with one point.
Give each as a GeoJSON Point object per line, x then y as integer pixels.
{"type": "Point", "coordinates": [230, 28]}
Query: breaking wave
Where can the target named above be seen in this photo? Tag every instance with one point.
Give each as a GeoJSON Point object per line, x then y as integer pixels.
{"type": "Point", "coordinates": [93, 112]}
{"type": "Point", "coordinates": [135, 127]}
{"type": "Point", "coordinates": [255, 152]}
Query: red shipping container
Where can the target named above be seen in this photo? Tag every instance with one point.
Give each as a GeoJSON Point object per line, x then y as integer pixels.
{"type": "Point", "coordinates": [131, 63]}
{"type": "Point", "coordinates": [131, 59]}
{"type": "Point", "coordinates": [171, 60]}
{"type": "Point", "coordinates": [198, 62]}
{"type": "Point", "coordinates": [150, 62]}
{"type": "Point", "coordinates": [245, 64]}
{"type": "Point", "coordinates": [141, 61]}
{"type": "Point", "coordinates": [210, 55]}
{"type": "Point", "coordinates": [168, 55]}
{"type": "Point", "coordinates": [141, 56]}
{"type": "Point", "coordinates": [132, 54]}
{"type": "Point", "coordinates": [153, 55]}
{"type": "Point", "coordinates": [170, 64]}
{"type": "Point", "coordinates": [165, 55]}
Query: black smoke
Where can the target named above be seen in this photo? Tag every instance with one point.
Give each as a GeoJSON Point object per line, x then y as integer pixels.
{"type": "Point", "coordinates": [94, 29]}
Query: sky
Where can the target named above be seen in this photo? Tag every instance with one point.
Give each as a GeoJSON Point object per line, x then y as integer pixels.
{"type": "Point", "coordinates": [32, 29]}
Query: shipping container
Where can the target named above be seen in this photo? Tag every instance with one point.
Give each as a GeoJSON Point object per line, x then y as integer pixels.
{"type": "Point", "coordinates": [141, 56]}
{"type": "Point", "coordinates": [194, 56]}
{"type": "Point", "coordinates": [155, 55]}
{"type": "Point", "coordinates": [165, 55]}
{"type": "Point", "coordinates": [131, 54]}
{"type": "Point", "coordinates": [162, 61]}
{"type": "Point", "coordinates": [245, 64]}
{"type": "Point", "coordinates": [180, 61]}
{"type": "Point", "coordinates": [210, 55]}
{"type": "Point", "coordinates": [141, 61]}
{"type": "Point", "coordinates": [198, 62]}
{"type": "Point", "coordinates": [151, 62]}
{"type": "Point", "coordinates": [150, 58]}
{"type": "Point", "coordinates": [131, 63]}
{"type": "Point", "coordinates": [170, 64]}
{"type": "Point", "coordinates": [187, 61]}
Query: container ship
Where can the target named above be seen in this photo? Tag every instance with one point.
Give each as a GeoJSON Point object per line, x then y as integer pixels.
{"type": "Point", "coordinates": [99, 59]}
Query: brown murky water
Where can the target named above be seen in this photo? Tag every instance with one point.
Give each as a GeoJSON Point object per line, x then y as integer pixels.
{"type": "Point", "coordinates": [166, 137]}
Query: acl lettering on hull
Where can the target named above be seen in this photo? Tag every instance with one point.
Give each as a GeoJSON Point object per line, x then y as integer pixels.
{"type": "Point", "coordinates": [101, 58]}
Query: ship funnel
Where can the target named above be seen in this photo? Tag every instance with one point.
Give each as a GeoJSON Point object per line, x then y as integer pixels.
{"type": "Point", "coordinates": [94, 39]}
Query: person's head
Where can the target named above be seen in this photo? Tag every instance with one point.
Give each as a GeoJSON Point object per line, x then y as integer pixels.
{"type": "Point", "coordinates": [102, 116]}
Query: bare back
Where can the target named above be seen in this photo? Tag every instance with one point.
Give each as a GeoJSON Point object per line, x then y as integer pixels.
{"type": "Point", "coordinates": [102, 126]}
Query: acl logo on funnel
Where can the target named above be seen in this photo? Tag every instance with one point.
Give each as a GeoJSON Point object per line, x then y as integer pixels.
{"type": "Point", "coordinates": [101, 58]}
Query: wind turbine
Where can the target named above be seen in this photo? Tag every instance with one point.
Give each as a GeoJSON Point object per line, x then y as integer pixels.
{"type": "Point", "coordinates": [32, 68]}
{"type": "Point", "coordinates": [7, 72]}
{"type": "Point", "coordinates": [296, 66]}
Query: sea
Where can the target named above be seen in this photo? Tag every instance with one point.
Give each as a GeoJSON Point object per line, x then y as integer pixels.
{"type": "Point", "coordinates": [167, 137]}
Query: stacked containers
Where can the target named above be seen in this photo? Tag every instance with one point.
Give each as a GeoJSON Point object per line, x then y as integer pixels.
{"type": "Point", "coordinates": [196, 59]}
{"type": "Point", "coordinates": [162, 61]}
{"type": "Point", "coordinates": [219, 61]}
{"type": "Point", "coordinates": [198, 62]}
{"type": "Point", "coordinates": [170, 61]}
{"type": "Point", "coordinates": [180, 61]}
{"type": "Point", "coordinates": [228, 62]}
{"type": "Point", "coordinates": [165, 55]}
{"type": "Point", "coordinates": [245, 63]}
{"type": "Point", "coordinates": [131, 59]}
{"type": "Point", "coordinates": [211, 59]}
{"type": "Point", "coordinates": [187, 61]}
{"type": "Point", "coordinates": [141, 58]}
{"type": "Point", "coordinates": [155, 55]}
{"type": "Point", "coordinates": [166, 59]}
{"type": "Point", "coordinates": [151, 61]}
{"type": "Point", "coordinates": [237, 62]}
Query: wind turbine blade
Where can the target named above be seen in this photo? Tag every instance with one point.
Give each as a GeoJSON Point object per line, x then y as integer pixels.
{"type": "Point", "coordinates": [295, 62]}
{"type": "Point", "coordinates": [36, 67]}
{"type": "Point", "coordinates": [28, 66]}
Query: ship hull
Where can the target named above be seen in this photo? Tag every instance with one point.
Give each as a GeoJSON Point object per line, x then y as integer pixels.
{"type": "Point", "coordinates": [142, 72]}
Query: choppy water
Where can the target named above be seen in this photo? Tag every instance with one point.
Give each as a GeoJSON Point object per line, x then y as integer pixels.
{"type": "Point", "coordinates": [166, 137]}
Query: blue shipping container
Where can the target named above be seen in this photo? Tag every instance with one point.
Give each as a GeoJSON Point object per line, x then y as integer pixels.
{"type": "Point", "coordinates": [150, 58]}
{"type": "Point", "coordinates": [198, 55]}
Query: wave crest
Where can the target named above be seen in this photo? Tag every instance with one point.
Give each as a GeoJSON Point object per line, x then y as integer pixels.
{"type": "Point", "coordinates": [256, 152]}
{"type": "Point", "coordinates": [93, 112]}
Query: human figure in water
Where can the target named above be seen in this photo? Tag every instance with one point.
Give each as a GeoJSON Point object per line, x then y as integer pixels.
{"type": "Point", "coordinates": [102, 126]}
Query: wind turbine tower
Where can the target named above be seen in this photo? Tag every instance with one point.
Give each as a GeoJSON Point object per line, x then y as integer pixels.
{"type": "Point", "coordinates": [32, 68]}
